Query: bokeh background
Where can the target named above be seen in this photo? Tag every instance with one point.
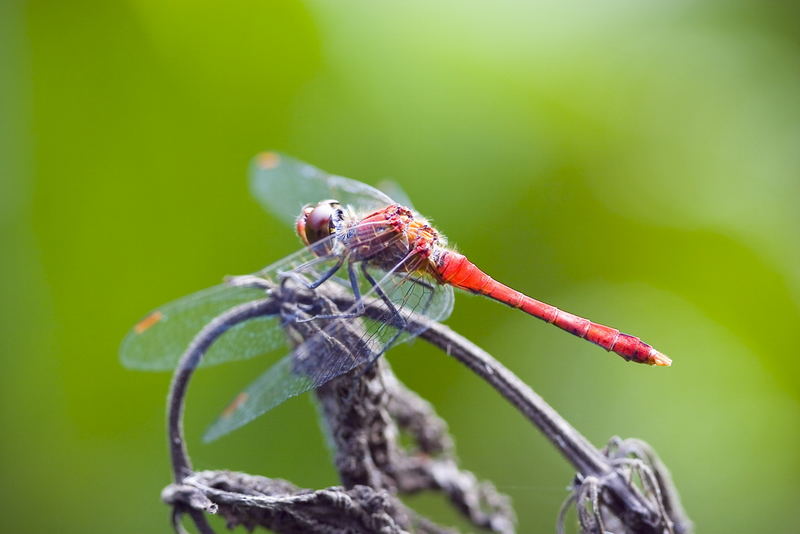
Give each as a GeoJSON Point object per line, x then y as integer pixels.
{"type": "Point", "coordinates": [634, 162]}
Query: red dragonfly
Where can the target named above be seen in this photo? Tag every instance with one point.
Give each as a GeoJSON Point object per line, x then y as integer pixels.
{"type": "Point", "coordinates": [357, 237]}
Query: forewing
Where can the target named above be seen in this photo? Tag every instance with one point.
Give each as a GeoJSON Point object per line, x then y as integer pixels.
{"type": "Point", "coordinates": [340, 345]}
{"type": "Point", "coordinates": [157, 342]}
{"type": "Point", "coordinates": [283, 185]}
{"type": "Point", "coordinates": [396, 193]}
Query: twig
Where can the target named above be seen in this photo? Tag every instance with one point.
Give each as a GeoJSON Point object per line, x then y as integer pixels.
{"type": "Point", "coordinates": [251, 501]}
{"type": "Point", "coordinates": [362, 418]}
{"type": "Point", "coordinates": [636, 511]}
{"type": "Point", "coordinates": [181, 465]}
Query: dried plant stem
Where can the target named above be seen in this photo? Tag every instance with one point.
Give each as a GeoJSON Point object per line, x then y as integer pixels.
{"type": "Point", "coordinates": [364, 410]}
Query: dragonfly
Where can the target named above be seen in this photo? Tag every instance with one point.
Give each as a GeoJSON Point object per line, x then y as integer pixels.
{"type": "Point", "coordinates": [363, 243]}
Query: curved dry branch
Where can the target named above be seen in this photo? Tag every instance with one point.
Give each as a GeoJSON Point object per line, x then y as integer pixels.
{"type": "Point", "coordinates": [363, 410]}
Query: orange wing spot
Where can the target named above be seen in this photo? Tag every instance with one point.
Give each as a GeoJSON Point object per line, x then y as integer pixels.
{"type": "Point", "coordinates": [148, 322]}
{"type": "Point", "coordinates": [268, 160]}
{"type": "Point", "coordinates": [238, 401]}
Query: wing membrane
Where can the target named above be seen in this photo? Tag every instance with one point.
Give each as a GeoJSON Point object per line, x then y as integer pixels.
{"type": "Point", "coordinates": [396, 193]}
{"type": "Point", "coordinates": [283, 185]}
{"type": "Point", "coordinates": [338, 346]}
{"type": "Point", "coordinates": [157, 342]}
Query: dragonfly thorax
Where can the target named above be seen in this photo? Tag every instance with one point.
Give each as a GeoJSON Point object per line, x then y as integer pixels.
{"type": "Point", "coordinates": [393, 238]}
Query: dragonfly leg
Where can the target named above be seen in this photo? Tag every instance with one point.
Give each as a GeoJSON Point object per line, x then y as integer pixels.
{"type": "Point", "coordinates": [327, 275]}
{"type": "Point", "coordinates": [401, 321]}
{"type": "Point", "coordinates": [359, 302]}
{"type": "Point", "coordinates": [389, 304]}
{"type": "Point", "coordinates": [392, 308]}
{"type": "Point", "coordinates": [295, 275]}
{"type": "Point", "coordinates": [351, 273]}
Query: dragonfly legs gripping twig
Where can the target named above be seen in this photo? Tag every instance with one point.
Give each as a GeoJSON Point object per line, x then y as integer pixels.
{"type": "Point", "coordinates": [358, 300]}
{"type": "Point", "coordinates": [324, 277]}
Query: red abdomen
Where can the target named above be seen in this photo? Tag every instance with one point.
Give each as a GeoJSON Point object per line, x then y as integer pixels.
{"type": "Point", "coordinates": [455, 269]}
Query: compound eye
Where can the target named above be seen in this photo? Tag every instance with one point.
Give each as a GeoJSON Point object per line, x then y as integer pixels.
{"type": "Point", "coordinates": [318, 222]}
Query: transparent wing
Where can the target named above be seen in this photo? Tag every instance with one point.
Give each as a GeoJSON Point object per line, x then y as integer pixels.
{"type": "Point", "coordinates": [283, 185]}
{"type": "Point", "coordinates": [337, 345]}
{"type": "Point", "coordinates": [157, 342]}
{"type": "Point", "coordinates": [397, 193]}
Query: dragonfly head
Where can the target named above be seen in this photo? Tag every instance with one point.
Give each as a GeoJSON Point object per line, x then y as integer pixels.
{"type": "Point", "coordinates": [318, 221]}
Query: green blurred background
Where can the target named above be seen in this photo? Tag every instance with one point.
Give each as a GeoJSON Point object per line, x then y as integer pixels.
{"type": "Point", "coordinates": [634, 162]}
